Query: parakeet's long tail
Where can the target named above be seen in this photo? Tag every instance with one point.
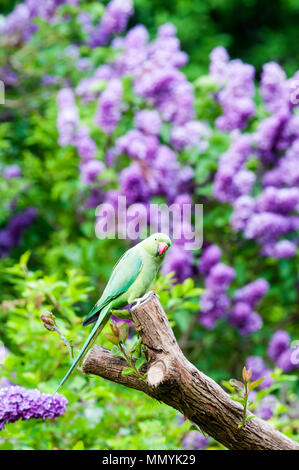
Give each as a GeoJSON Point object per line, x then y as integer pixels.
{"type": "Point", "coordinates": [100, 323]}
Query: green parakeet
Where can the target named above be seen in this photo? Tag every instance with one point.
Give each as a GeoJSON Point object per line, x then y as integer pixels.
{"type": "Point", "coordinates": [130, 279]}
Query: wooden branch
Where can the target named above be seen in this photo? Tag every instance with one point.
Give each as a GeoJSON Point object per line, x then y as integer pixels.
{"type": "Point", "coordinates": [172, 379]}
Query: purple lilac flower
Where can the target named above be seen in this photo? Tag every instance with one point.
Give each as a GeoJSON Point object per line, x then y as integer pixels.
{"type": "Point", "coordinates": [266, 407]}
{"type": "Point", "coordinates": [220, 276]}
{"type": "Point", "coordinates": [288, 360]}
{"type": "Point", "coordinates": [191, 134]}
{"type": "Point", "coordinates": [133, 184]}
{"type": "Point", "coordinates": [114, 21]}
{"type": "Point", "coordinates": [165, 173]}
{"type": "Point", "coordinates": [279, 343]}
{"type": "Point", "coordinates": [90, 171]}
{"type": "Point", "coordinates": [108, 112]}
{"type": "Point", "coordinates": [12, 171]}
{"type": "Point", "coordinates": [85, 145]}
{"type": "Point", "coordinates": [178, 261]}
{"type": "Point", "coordinates": [273, 88]}
{"type": "Point", "coordinates": [48, 80]}
{"type": "Point", "coordinates": [19, 26]}
{"type": "Point", "coordinates": [282, 200]}
{"type": "Point", "coordinates": [232, 179]}
{"type": "Point", "coordinates": [19, 403]}
{"type": "Point", "coordinates": [195, 440]}
{"type": "Point", "coordinates": [219, 59]}
{"type": "Point", "coordinates": [252, 293]}
{"type": "Point", "coordinates": [210, 256]}
{"type": "Point", "coordinates": [244, 319]}
{"type": "Point", "coordinates": [239, 314]}
{"type": "Point", "coordinates": [286, 171]}
{"type": "Point", "coordinates": [266, 226]}
{"type": "Point", "coordinates": [280, 249]}
{"type": "Point", "coordinates": [243, 209]}
{"type": "Point", "coordinates": [259, 370]}
{"type": "Point", "coordinates": [85, 20]}
{"type": "Point", "coordinates": [236, 82]}
{"type": "Point", "coordinates": [269, 137]}
{"type": "Point", "coordinates": [213, 306]}
{"type": "Point", "coordinates": [11, 235]}
{"type": "Point", "coordinates": [136, 144]}
{"type": "Point", "coordinates": [148, 121]}
{"type": "Point", "coordinates": [68, 117]}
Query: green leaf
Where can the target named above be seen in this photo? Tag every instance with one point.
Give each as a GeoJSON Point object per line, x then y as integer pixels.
{"type": "Point", "coordinates": [128, 371]}
{"type": "Point", "coordinates": [6, 446]}
{"type": "Point", "coordinates": [111, 338]}
{"type": "Point", "coordinates": [78, 446]}
{"type": "Point", "coordinates": [123, 332]}
{"type": "Point", "coordinates": [187, 285]}
{"type": "Point", "coordinates": [140, 362]}
{"type": "Point", "coordinates": [24, 258]}
{"type": "Point", "coordinates": [256, 383]}
{"type": "Point", "coordinates": [115, 351]}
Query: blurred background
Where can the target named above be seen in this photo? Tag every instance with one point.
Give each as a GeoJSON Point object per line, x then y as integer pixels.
{"type": "Point", "coordinates": [162, 102]}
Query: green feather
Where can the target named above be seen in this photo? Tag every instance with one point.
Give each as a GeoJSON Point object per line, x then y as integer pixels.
{"type": "Point", "coordinates": [122, 277]}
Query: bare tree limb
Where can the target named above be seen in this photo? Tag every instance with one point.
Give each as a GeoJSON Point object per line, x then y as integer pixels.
{"type": "Point", "coordinates": [172, 379]}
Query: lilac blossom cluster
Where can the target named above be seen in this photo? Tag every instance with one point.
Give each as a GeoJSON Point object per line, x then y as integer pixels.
{"type": "Point", "coordinates": [272, 216]}
{"type": "Point", "coordinates": [284, 357]}
{"type": "Point", "coordinates": [154, 69]}
{"type": "Point", "coordinates": [259, 369]}
{"type": "Point", "coordinates": [195, 440]}
{"type": "Point", "coordinates": [19, 25]}
{"type": "Point", "coordinates": [11, 171]}
{"type": "Point", "coordinates": [154, 169]}
{"type": "Point", "coordinates": [216, 303]}
{"type": "Point", "coordinates": [19, 403]}
{"type": "Point", "coordinates": [114, 21]}
{"type": "Point", "coordinates": [218, 276]}
{"type": "Point", "coordinates": [236, 82]}
{"type": "Point", "coordinates": [233, 179]}
{"type": "Point", "coordinates": [242, 315]}
{"type": "Point", "coordinates": [11, 235]}
{"type": "Point", "coordinates": [71, 132]}
{"type": "Point", "coordinates": [279, 350]}
{"type": "Point", "coordinates": [266, 406]}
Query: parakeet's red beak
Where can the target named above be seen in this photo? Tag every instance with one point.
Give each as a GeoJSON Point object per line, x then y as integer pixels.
{"type": "Point", "coordinates": [162, 248]}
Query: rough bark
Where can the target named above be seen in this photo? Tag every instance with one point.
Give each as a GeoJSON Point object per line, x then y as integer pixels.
{"type": "Point", "coordinates": [172, 379]}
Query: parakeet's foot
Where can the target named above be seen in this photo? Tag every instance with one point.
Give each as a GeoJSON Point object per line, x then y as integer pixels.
{"type": "Point", "coordinates": [141, 300]}
{"type": "Point", "coordinates": [122, 314]}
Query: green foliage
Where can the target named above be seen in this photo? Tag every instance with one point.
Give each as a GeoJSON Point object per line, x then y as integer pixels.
{"type": "Point", "coordinates": [100, 414]}
{"type": "Point", "coordinates": [257, 32]}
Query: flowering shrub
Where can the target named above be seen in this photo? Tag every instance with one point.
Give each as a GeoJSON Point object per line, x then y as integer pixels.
{"type": "Point", "coordinates": [96, 110]}
{"type": "Point", "coordinates": [19, 403]}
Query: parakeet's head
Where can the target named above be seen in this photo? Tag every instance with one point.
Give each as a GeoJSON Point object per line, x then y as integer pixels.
{"type": "Point", "coordinates": [157, 244]}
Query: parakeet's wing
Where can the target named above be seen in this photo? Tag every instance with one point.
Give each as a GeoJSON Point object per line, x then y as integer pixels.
{"type": "Point", "coordinates": [122, 277]}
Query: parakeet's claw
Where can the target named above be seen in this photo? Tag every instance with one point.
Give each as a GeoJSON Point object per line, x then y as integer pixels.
{"type": "Point", "coordinates": [140, 300]}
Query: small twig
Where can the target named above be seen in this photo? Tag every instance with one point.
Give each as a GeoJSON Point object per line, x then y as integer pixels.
{"type": "Point", "coordinates": [49, 323]}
